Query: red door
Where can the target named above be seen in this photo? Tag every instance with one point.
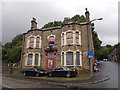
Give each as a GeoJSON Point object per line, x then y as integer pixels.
{"type": "Point", "coordinates": [50, 60]}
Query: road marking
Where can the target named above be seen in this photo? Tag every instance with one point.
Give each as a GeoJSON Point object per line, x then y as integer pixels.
{"type": "Point", "coordinates": [6, 86]}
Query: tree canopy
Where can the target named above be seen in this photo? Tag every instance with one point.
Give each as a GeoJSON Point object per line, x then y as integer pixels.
{"type": "Point", "coordinates": [11, 51]}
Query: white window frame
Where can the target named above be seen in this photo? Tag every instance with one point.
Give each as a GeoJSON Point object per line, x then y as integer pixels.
{"type": "Point", "coordinates": [74, 58]}
{"type": "Point", "coordinates": [34, 45]}
{"type": "Point", "coordinates": [33, 59]}
{"type": "Point", "coordinates": [50, 36]}
{"type": "Point", "coordinates": [74, 38]}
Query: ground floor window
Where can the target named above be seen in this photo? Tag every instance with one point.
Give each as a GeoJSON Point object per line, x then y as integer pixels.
{"type": "Point", "coordinates": [33, 59]}
{"type": "Point", "coordinates": [36, 59]}
{"type": "Point", "coordinates": [30, 57]}
{"type": "Point", "coordinates": [69, 58]}
{"type": "Point", "coordinates": [77, 58]}
{"type": "Point", "coordinates": [62, 58]}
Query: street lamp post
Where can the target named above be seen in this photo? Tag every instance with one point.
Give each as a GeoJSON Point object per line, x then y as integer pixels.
{"type": "Point", "coordinates": [90, 47]}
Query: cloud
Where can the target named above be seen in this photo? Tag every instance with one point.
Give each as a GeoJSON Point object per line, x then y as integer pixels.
{"type": "Point", "coordinates": [16, 16]}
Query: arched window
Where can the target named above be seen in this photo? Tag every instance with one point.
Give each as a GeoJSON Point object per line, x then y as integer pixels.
{"type": "Point", "coordinates": [77, 37]}
{"type": "Point", "coordinates": [51, 38]}
{"type": "Point", "coordinates": [37, 42]}
{"type": "Point", "coordinates": [77, 58]}
{"type": "Point", "coordinates": [30, 57]}
{"type": "Point", "coordinates": [31, 42]}
{"type": "Point", "coordinates": [69, 37]}
{"type": "Point", "coordinates": [36, 59]}
{"type": "Point", "coordinates": [62, 38]}
{"type": "Point", "coordinates": [69, 58]}
{"type": "Point", "coordinates": [62, 58]}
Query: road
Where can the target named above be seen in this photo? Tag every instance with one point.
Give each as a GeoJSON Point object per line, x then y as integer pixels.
{"type": "Point", "coordinates": [110, 69]}
{"type": "Point", "coordinates": [107, 68]}
{"type": "Point", "coordinates": [17, 83]}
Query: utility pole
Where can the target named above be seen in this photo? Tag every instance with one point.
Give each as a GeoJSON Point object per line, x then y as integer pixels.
{"type": "Point", "coordinates": [90, 39]}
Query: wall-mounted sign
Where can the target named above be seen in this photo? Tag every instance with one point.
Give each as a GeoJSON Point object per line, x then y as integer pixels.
{"type": "Point", "coordinates": [51, 43]}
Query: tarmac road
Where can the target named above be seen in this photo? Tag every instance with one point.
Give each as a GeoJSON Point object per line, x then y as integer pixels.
{"type": "Point", "coordinates": [17, 83]}
{"type": "Point", "coordinates": [110, 69]}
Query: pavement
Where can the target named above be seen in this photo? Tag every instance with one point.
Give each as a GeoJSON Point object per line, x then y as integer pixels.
{"type": "Point", "coordinates": [95, 79]}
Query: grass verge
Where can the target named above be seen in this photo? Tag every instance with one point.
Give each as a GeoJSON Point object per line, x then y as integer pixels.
{"type": "Point", "coordinates": [81, 76]}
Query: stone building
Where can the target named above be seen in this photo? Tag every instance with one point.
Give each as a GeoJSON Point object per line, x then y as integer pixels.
{"type": "Point", "coordinates": [115, 54]}
{"type": "Point", "coordinates": [66, 45]}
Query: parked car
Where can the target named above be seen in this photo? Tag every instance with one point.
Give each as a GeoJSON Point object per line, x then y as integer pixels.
{"type": "Point", "coordinates": [62, 72]}
{"type": "Point", "coordinates": [31, 71]}
{"type": "Point", "coordinates": [97, 62]}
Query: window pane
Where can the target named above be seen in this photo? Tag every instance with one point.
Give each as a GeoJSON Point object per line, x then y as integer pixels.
{"type": "Point", "coordinates": [30, 59]}
{"type": "Point", "coordinates": [69, 58]}
{"type": "Point", "coordinates": [69, 37]}
{"type": "Point", "coordinates": [62, 38]}
{"type": "Point", "coordinates": [36, 59]}
{"type": "Point", "coordinates": [31, 39]}
{"type": "Point", "coordinates": [77, 58]}
{"type": "Point", "coordinates": [69, 41]}
{"type": "Point", "coordinates": [50, 54]}
{"type": "Point", "coordinates": [77, 37]}
{"type": "Point", "coordinates": [37, 39]}
{"type": "Point", "coordinates": [77, 40]}
{"type": "Point", "coordinates": [31, 44]}
{"type": "Point", "coordinates": [62, 58]}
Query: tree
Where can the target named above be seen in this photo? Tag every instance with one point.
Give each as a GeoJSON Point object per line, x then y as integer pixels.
{"type": "Point", "coordinates": [11, 51]}
{"type": "Point", "coordinates": [66, 20]}
{"type": "Point", "coordinates": [15, 54]}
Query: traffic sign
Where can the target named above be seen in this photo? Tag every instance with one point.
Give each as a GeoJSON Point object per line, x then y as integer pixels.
{"type": "Point", "coordinates": [90, 52]}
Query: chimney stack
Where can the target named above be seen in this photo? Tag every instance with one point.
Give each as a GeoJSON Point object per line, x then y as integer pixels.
{"type": "Point", "coordinates": [33, 23]}
{"type": "Point", "coordinates": [87, 14]}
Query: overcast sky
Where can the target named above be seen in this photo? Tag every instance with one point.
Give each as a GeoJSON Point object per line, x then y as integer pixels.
{"type": "Point", "coordinates": [16, 16]}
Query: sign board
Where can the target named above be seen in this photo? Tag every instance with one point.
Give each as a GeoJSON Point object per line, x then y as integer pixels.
{"type": "Point", "coordinates": [90, 52]}
{"type": "Point", "coordinates": [51, 43]}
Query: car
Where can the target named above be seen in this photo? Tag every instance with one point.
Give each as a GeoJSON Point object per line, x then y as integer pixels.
{"type": "Point", "coordinates": [98, 62]}
{"type": "Point", "coordinates": [31, 71]}
{"type": "Point", "coordinates": [62, 72]}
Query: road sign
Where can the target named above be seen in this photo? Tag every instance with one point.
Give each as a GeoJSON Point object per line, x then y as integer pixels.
{"type": "Point", "coordinates": [90, 52]}
{"type": "Point", "coordinates": [51, 43]}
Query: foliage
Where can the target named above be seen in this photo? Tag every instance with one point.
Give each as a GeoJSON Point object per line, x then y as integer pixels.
{"type": "Point", "coordinates": [76, 18]}
{"type": "Point", "coordinates": [11, 51]}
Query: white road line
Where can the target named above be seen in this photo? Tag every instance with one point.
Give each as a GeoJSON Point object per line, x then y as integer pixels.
{"type": "Point", "coordinates": [6, 86]}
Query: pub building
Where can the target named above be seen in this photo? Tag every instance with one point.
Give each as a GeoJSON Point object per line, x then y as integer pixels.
{"type": "Point", "coordinates": [65, 45]}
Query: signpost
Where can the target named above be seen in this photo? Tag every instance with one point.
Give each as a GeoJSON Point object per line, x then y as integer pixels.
{"type": "Point", "coordinates": [90, 53]}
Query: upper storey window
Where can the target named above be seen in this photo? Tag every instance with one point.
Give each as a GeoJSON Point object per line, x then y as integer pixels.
{"type": "Point", "coordinates": [69, 37]}
{"type": "Point", "coordinates": [51, 38]}
{"type": "Point", "coordinates": [77, 37]}
{"type": "Point", "coordinates": [62, 39]}
{"type": "Point", "coordinates": [34, 42]}
{"type": "Point", "coordinates": [31, 43]}
{"type": "Point", "coordinates": [37, 41]}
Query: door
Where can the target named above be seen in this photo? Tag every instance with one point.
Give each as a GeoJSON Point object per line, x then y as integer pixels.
{"type": "Point", "coordinates": [50, 61]}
